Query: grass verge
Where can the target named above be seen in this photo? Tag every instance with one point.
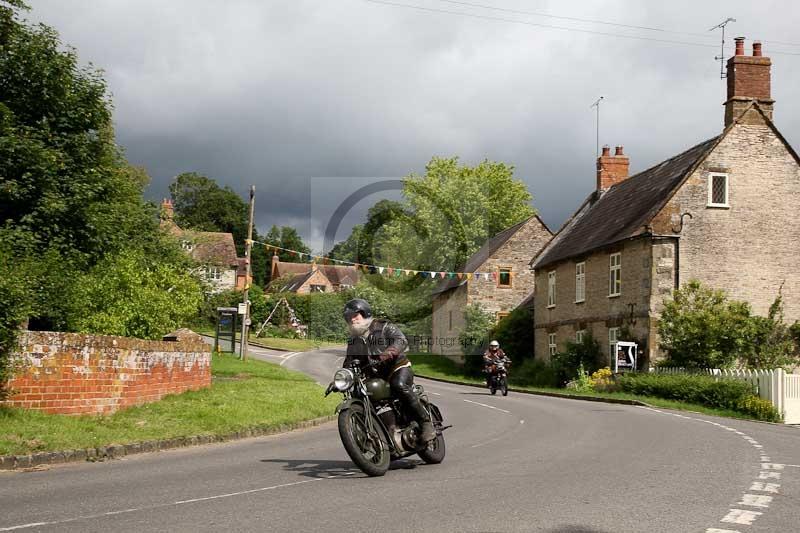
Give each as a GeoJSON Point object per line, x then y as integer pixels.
{"type": "Point", "coordinates": [242, 395]}
{"type": "Point", "coordinates": [293, 345]}
{"type": "Point", "coordinates": [439, 367]}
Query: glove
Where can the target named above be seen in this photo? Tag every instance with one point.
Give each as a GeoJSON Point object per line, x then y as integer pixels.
{"type": "Point", "coordinates": [385, 356]}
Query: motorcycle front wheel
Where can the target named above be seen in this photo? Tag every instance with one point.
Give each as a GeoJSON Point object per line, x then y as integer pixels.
{"type": "Point", "coordinates": [368, 451]}
{"type": "Point", "coordinates": [504, 386]}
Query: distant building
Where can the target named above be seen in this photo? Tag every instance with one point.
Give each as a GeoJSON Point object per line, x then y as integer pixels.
{"type": "Point", "coordinates": [215, 253]}
{"type": "Point", "coordinates": [507, 256]}
{"type": "Point", "coordinates": [305, 278]}
{"type": "Point", "coordinates": [723, 212]}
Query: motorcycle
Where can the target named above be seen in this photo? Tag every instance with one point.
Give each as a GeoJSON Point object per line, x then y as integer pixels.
{"type": "Point", "coordinates": [373, 425]}
{"type": "Point", "coordinates": [498, 379]}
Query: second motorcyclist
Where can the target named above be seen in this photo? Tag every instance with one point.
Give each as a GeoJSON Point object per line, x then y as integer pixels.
{"type": "Point", "coordinates": [493, 354]}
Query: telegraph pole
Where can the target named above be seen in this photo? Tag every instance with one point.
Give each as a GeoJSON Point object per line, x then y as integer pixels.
{"type": "Point", "coordinates": [248, 246]}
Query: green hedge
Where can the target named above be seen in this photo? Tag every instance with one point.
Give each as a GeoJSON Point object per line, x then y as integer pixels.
{"type": "Point", "coordinates": [705, 390]}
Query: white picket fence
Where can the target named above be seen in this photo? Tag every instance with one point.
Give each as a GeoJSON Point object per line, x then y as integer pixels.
{"type": "Point", "coordinates": [780, 388]}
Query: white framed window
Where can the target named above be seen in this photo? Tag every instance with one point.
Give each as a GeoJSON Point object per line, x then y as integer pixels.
{"type": "Point", "coordinates": [615, 274]}
{"type": "Point", "coordinates": [580, 282]}
{"type": "Point", "coordinates": [213, 273]}
{"type": "Point", "coordinates": [551, 344]}
{"type": "Point", "coordinates": [718, 190]}
{"type": "Point", "coordinates": [613, 337]}
{"type": "Point", "coordinates": [317, 288]}
{"type": "Point", "coordinates": [551, 289]}
{"type": "Point", "coordinates": [579, 335]}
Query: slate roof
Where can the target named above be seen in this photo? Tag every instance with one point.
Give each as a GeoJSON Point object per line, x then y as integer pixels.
{"type": "Point", "coordinates": [623, 211]}
{"type": "Point", "coordinates": [481, 256]}
{"type": "Point", "coordinates": [526, 303]}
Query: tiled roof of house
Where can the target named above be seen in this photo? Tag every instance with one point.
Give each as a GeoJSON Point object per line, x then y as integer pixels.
{"type": "Point", "coordinates": [340, 274]}
{"type": "Point", "coordinates": [482, 255]}
{"type": "Point", "coordinates": [212, 247]}
{"type": "Point", "coordinates": [622, 211]}
{"type": "Point", "coordinates": [297, 281]}
{"type": "Point", "coordinates": [285, 267]}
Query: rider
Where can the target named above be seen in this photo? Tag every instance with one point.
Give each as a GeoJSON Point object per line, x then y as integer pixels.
{"type": "Point", "coordinates": [383, 342]}
{"type": "Point", "coordinates": [490, 357]}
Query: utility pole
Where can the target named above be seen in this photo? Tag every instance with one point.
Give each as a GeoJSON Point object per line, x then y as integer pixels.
{"type": "Point", "coordinates": [721, 56]}
{"type": "Point", "coordinates": [248, 246]}
{"type": "Point", "coordinates": [597, 105]}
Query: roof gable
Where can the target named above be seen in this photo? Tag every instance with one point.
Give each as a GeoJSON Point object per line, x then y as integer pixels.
{"type": "Point", "coordinates": [624, 210]}
{"type": "Point", "coordinates": [485, 252]}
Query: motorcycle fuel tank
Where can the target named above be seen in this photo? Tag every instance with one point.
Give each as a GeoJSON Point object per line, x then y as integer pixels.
{"type": "Point", "coordinates": [378, 389]}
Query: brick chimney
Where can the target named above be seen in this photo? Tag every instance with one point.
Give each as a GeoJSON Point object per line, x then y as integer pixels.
{"type": "Point", "coordinates": [611, 169]}
{"type": "Point", "coordinates": [748, 80]}
{"type": "Point", "coordinates": [274, 270]}
{"type": "Point", "coordinates": [167, 211]}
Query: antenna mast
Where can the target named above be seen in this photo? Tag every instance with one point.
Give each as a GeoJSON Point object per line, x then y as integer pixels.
{"type": "Point", "coordinates": [597, 105]}
{"type": "Point", "coordinates": [721, 56]}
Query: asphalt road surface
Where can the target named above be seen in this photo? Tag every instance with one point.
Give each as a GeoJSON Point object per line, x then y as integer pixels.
{"type": "Point", "coordinates": [516, 463]}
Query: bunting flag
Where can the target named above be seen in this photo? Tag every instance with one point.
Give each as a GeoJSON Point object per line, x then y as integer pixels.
{"type": "Point", "coordinates": [387, 270]}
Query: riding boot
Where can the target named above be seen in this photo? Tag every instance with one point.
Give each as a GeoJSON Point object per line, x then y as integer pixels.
{"type": "Point", "coordinates": [402, 383]}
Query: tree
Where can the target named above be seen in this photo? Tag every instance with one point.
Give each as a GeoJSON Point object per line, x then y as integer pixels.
{"type": "Point", "coordinates": [474, 337]}
{"type": "Point", "coordinates": [453, 209]}
{"type": "Point", "coordinates": [515, 334]}
{"type": "Point", "coordinates": [772, 345]}
{"type": "Point", "coordinates": [701, 328]}
{"type": "Point", "coordinates": [284, 237]}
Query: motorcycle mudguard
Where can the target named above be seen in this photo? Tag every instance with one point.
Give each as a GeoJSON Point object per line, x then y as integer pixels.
{"type": "Point", "coordinates": [347, 404]}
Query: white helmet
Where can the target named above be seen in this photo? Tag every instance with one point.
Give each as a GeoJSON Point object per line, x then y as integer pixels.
{"type": "Point", "coordinates": [494, 344]}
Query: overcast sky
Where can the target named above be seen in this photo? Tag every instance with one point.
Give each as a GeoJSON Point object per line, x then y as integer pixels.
{"type": "Point", "coordinates": [310, 99]}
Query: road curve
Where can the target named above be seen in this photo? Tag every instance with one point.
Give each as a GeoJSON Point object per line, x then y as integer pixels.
{"type": "Point", "coordinates": [516, 463]}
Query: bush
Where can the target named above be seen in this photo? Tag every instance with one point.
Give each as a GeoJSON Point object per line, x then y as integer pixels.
{"type": "Point", "coordinates": [474, 337]}
{"type": "Point", "coordinates": [533, 373]}
{"type": "Point", "coordinates": [515, 334]}
{"type": "Point", "coordinates": [760, 409]}
{"type": "Point", "coordinates": [587, 353]}
{"type": "Point", "coordinates": [692, 388]}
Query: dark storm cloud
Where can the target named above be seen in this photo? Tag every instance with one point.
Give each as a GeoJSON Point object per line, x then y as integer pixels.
{"type": "Point", "coordinates": [280, 93]}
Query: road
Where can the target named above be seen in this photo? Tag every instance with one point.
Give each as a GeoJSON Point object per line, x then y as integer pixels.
{"type": "Point", "coordinates": [516, 463]}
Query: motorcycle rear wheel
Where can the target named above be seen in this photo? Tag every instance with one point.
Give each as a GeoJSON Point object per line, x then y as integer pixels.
{"type": "Point", "coordinates": [434, 453]}
{"type": "Point", "coordinates": [370, 453]}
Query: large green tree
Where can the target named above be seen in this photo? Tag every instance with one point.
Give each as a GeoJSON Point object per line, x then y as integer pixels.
{"type": "Point", "coordinates": [68, 199]}
{"type": "Point", "coordinates": [452, 209]}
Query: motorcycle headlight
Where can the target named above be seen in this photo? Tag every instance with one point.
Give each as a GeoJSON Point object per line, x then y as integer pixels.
{"type": "Point", "coordinates": [343, 379]}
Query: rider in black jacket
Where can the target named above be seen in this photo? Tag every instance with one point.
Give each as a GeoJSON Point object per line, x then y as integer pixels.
{"type": "Point", "coordinates": [381, 342]}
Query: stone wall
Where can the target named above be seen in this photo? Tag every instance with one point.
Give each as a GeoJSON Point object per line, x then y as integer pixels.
{"type": "Point", "coordinates": [448, 322]}
{"type": "Point", "coordinates": [71, 373]}
{"type": "Point", "coordinates": [751, 248]}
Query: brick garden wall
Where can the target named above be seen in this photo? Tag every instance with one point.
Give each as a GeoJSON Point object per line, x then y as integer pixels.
{"type": "Point", "coordinates": [71, 373]}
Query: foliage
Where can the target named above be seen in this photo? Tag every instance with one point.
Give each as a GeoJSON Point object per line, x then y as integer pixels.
{"type": "Point", "coordinates": [602, 379]}
{"type": "Point", "coordinates": [759, 408]}
{"type": "Point", "coordinates": [126, 294]}
{"type": "Point", "coordinates": [583, 383]}
{"type": "Point", "coordinates": [587, 354]}
{"type": "Point", "coordinates": [16, 304]}
{"type": "Point", "coordinates": [515, 334]}
{"type": "Point", "coordinates": [700, 328]}
{"type": "Point", "coordinates": [474, 337]}
{"type": "Point", "coordinates": [534, 373]}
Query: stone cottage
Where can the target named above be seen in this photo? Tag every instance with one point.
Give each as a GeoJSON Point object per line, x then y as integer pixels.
{"type": "Point", "coordinates": [722, 212]}
{"type": "Point", "coordinates": [215, 253]}
{"type": "Point", "coordinates": [506, 256]}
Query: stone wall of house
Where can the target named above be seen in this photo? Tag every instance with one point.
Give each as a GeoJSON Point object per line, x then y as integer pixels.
{"type": "Point", "coordinates": [317, 278]}
{"type": "Point", "coordinates": [516, 254]}
{"type": "Point", "coordinates": [71, 373]}
{"type": "Point", "coordinates": [598, 312]}
{"type": "Point", "coordinates": [226, 281]}
{"type": "Point", "coordinates": [751, 248]}
{"type": "Point", "coordinates": [448, 322]}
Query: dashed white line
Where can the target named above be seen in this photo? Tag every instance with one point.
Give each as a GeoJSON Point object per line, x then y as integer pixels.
{"type": "Point", "coordinates": [160, 506]}
{"type": "Point", "coordinates": [740, 516]}
{"type": "Point", "coordinates": [489, 406]}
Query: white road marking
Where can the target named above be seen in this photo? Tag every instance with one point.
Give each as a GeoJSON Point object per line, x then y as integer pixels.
{"type": "Point", "coordinates": [435, 393]}
{"type": "Point", "coordinates": [161, 506]}
{"type": "Point", "coordinates": [765, 487]}
{"type": "Point", "coordinates": [289, 356]}
{"type": "Point", "coordinates": [489, 406]}
{"type": "Point", "coordinates": [769, 475]}
{"type": "Point", "coordinates": [756, 500]}
{"type": "Point", "coordinates": [739, 516]}
{"type": "Point", "coordinates": [795, 466]}
{"type": "Point", "coordinates": [772, 466]}
{"type": "Point", "coordinates": [715, 530]}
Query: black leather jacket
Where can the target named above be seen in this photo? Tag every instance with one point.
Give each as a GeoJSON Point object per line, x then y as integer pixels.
{"type": "Point", "coordinates": [384, 339]}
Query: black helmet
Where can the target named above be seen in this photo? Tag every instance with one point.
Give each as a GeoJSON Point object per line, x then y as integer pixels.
{"type": "Point", "coordinates": [355, 306]}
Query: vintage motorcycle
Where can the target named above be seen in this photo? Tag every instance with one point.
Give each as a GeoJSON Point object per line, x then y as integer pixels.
{"type": "Point", "coordinates": [373, 425]}
{"type": "Point", "coordinates": [498, 380]}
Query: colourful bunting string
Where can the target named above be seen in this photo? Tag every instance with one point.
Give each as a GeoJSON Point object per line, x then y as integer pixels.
{"type": "Point", "coordinates": [388, 270]}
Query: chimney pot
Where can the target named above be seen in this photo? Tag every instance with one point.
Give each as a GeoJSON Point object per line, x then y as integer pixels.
{"type": "Point", "coordinates": [757, 48]}
{"type": "Point", "coordinates": [606, 150]}
{"type": "Point", "coordinates": [618, 151]}
{"type": "Point", "coordinates": [739, 46]}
